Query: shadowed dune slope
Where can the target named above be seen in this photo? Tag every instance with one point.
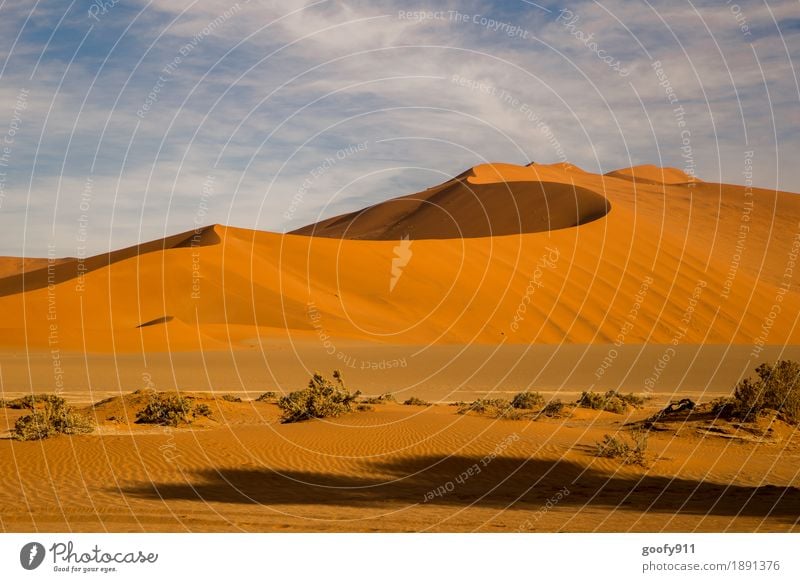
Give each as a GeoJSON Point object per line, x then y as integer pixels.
{"type": "Point", "coordinates": [649, 173]}
{"type": "Point", "coordinates": [670, 263]}
{"type": "Point", "coordinates": [465, 207]}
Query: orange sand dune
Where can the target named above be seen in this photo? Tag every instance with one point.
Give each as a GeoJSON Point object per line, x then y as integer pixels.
{"type": "Point", "coordinates": [15, 265]}
{"type": "Point", "coordinates": [669, 263]}
{"type": "Point", "coordinates": [470, 206]}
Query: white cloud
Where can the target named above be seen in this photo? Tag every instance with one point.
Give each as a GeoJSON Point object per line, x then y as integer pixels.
{"type": "Point", "coordinates": [261, 82]}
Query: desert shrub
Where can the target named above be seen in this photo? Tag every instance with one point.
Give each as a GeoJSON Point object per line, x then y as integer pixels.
{"type": "Point", "coordinates": [495, 408]}
{"type": "Point", "coordinates": [269, 396]}
{"type": "Point", "coordinates": [612, 447]}
{"type": "Point", "coordinates": [553, 408]}
{"type": "Point", "coordinates": [414, 401]}
{"type": "Point", "coordinates": [365, 407]}
{"type": "Point", "coordinates": [382, 399]}
{"type": "Point", "coordinates": [776, 388]}
{"type": "Point", "coordinates": [231, 398]}
{"type": "Point", "coordinates": [640, 439]}
{"type": "Point", "coordinates": [527, 400]}
{"type": "Point", "coordinates": [611, 401]}
{"type": "Point", "coordinates": [631, 453]}
{"type": "Point", "coordinates": [723, 407]}
{"type": "Point", "coordinates": [484, 405]}
{"type": "Point", "coordinates": [322, 398]}
{"type": "Point", "coordinates": [54, 418]}
{"type": "Point", "coordinates": [30, 401]}
{"type": "Point", "coordinates": [168, 410]}
{"type": "Point", "coordinates": [201, 410]}
{"type": "Point", "coordinates": [632, 399]}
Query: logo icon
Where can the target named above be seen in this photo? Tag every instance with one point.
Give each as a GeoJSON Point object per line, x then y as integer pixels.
{"type": "Point", "coordinates": [402, 255]}
{"type": "Point", "coordinates": [31, 555]}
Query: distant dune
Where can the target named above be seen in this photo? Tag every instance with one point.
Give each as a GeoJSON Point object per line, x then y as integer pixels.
{"type": "Point", "coordinates": [583, 258]}
{"type": "Point", "coordinates": [649, 173]}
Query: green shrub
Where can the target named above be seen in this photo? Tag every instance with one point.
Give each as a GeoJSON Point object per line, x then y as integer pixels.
{"type": "Point", "coordinates": [527, 400]}
{"type": "Point", "coordinates": [267, 397]}
{"type": "Point", "coordinates": [231, 398]}
{"type": "Point", "coordinates": [776, 388]}
{"type": "Point", "coordinates": [322, 398]}
{"type": "Point", "coordinates": [54, 418]}
{"type": "Point", "coordinates": [167, 410]}
{"type": "Point", "coordinates": [414, 401]}
{"type": "Point", "coordinates": [633, 453]}
{"type": "Point", "coordinates": [611, 401]}
{"type": "Point", "coordinates": [553, 408]}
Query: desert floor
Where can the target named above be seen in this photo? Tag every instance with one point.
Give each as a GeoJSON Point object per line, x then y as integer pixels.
{"type": "Point", "coordinates": [396, 467]}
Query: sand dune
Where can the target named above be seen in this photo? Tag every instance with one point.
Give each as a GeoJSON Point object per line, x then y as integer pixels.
{"type": "Point", "coordinates": [470, 206]}
{"type": "Point", "coordinates": [639, 268]}
{"type": "Point", "coordinates": [651, 174]}
{"type": "Point", "coordinates": [667, 264]}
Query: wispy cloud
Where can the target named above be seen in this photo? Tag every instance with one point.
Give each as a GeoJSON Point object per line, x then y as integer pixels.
{"type": "Point", "coordinates": [149, 98]}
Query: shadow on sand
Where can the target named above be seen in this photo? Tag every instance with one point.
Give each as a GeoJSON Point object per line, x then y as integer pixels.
{"type": "Point", "coordinates": [504, 482]}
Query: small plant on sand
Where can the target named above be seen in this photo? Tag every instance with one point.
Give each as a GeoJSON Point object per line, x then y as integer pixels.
{"type": "Point", "coordinates": [527, 400]}
{"type": "Point", "coordinates": [269, 396]}
{"type": "Point", "coordinates": [167, 410]}
{"type": "Point", "coordinates": [231, 398]}
{"type": "Point", "coordinates": [776, 388]}
{"type": "Point", "coordinates": [494, 408]}
{"type": "Point", "coordinates": [201, 410]}
{"type": "Point", "coordinates": [611, 401]}
{"type": "Point", "coordinates": [322, 398]}
{"type": "Point", "coordinates": [382, 399]}
{"type": "Point", "coordinates": [414, 401]}
{"type": "Point", "coordinates": [553, 409]}
{"type": "Point", "coordinates": [30, 401]}
{"type": "Point", "coordinates": [631, 453]}
{"type": "Point", "coordinates": [53, 418]}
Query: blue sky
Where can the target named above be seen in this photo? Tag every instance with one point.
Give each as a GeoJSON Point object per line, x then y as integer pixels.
{"type": "Point", "coordinates": [271, 115]}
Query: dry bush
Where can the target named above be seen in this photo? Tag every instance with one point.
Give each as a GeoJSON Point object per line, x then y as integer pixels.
{"type": "Point", "coordinates": [611, 401]}
{"type": "Point", "coordinates": [527, 400]}
{"type": "Point", "coordinates": [553, 409]}
{"type": "Point", "coordinates": [414, 401]}
{"type": "Point", "coordinates": [382, 399]}
{"type": "Point", "coordinates": [323, 398]}
{"type": "Point", "coordinates": [776, 388]}
{"type": "Point", "coordinates": [52, 419]}
{"type": "Point", "coordinates": [166, 410]}
{"type": "Point", "coordinates": [631, 453]}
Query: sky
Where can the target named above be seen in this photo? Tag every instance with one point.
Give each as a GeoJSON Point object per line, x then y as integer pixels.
{"type": "Point", "coordinates": [123, 121]}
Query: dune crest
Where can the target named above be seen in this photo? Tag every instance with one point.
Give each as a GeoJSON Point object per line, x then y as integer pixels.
{"type": "Point", "coordinates": [487, 200]}
{"type": "Point", "coordinates": [662, 253]}
{"type": "Point", "coordinates": [652, 174]}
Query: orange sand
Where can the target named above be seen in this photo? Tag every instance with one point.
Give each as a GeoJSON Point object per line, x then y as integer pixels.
{"type": "Point", "coordinates": [223, 287]}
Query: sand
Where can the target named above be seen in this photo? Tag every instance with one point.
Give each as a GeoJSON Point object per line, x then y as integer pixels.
{"type": "Point", "coordinates": [505, 278]}
{"type": "Point", "coordinates": [396, 468]}
{"type": "Point", "coordinates": [666, 265]}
